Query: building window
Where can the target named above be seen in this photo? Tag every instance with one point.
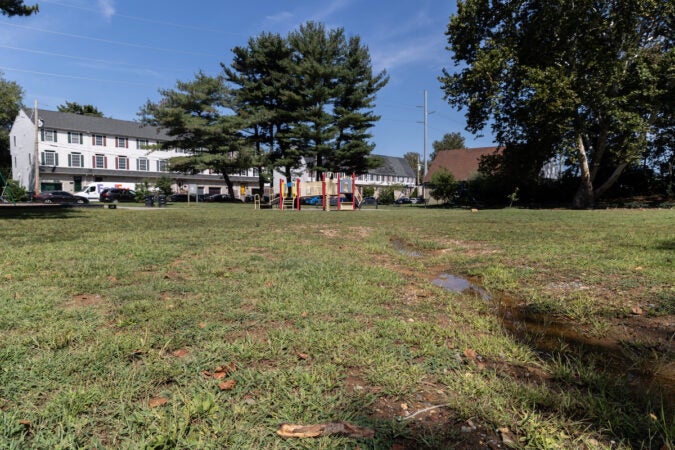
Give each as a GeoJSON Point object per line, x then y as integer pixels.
{"type": "Point", "coordinates": [98, 140]}
{"type": "Point", "coordinates": [74, 138]}
{"type": "Point", "coordinates": [122, 163]}
{"type": "Point", "coordinates": [162, 166]}
{"type": "Point", "coordinates": [142, 143]}
{"type": "Point", "coordinates": [121, 142]}
{"type": "Point", "coordinates": [142, 164]}
{"type": "Point", "coordinates": [48, 135]}
{"type": "Point", "coordinates": [50, 158]}
{"type": "Point", "coordinates": [75, 160]}
{"type": "Point", "coordinates": [100, 162]}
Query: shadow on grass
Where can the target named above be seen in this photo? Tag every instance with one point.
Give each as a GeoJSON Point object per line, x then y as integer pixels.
{"type": "Point", "coordinates": [39, 211]}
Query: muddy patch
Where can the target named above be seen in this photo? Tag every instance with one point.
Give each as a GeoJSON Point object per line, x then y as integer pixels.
{"type": "Point", "coordinates": [635, 348]}
{"type": "Point", "coordinates": [454, 283]}
{"type": "Point", "coordinates": [405, 249]}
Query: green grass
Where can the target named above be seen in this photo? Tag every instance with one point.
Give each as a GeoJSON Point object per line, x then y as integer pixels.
{"type": "Point", "coordinates": [323, 318]}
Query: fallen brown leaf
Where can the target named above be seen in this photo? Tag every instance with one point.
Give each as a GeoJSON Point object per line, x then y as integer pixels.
{"type": "Point", "coordinates": [470, 353]}
{"type": "Point", "coordinates": [227, 385]}
{"type": "Point", "coordinates": [157, 401]}
{"type": "Point", "coordinates": [302, 355]}
{"type": "Point", "coordinates": [288, 430]}
{"type": "Point", "coordinates": [179, 353]}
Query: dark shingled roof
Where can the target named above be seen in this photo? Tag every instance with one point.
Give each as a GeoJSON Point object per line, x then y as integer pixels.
{"type": "Point", "coordinates": [462, 163]}
{"type": "Point", "coordinates": [393, 166]}
{"type": "Point", "coordinates": [98, 125]}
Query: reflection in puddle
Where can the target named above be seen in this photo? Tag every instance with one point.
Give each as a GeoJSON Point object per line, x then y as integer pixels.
{"type": "Point", "coordinates": [549, 334]}
{"type": "Point", "coordinates": [458, 284]}
{"type": "Point", "coordinates": [404, 249]}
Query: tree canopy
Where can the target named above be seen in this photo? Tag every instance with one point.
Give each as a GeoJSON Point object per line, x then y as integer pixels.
{"type": "Point", "coordinates": [11, 98]}
{"type": "Point", "coordinates": [309, 94]}
{"type": "Point", "coordinates": [17, 8]}
{"type": "Point", "coordinates": [450, 141]}
{"type": "Point", "coordinates": [198, 114]}
{"type": "Point", "coordinates": [76, 108]}
{"type": "Point", "coordinates": [588, 79]}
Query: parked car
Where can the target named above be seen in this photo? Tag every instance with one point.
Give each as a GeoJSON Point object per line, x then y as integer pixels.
{"type": "Point", "coordinates": [193, 198]}
{"type": "Point", "coordinates": [417, 200]}
{"type": "Point", "coordinates": [60, 197]}
{"type": "Point", "coordinates": [403, 201]}
{"type": "Point", "coordinates": [115, 195]}
{"type": "Point", "coordinates": [369, 201]}
{"type": "Point", "coordinates": [219, 198]}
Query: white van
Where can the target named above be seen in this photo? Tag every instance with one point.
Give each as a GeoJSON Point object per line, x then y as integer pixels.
{"type": "Point", "coordinates": [93, 191]}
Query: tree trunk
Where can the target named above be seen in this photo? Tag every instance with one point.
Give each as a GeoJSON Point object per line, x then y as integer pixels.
{"type": "Point", "coordinates": [584, 196]}
{"type": "Point", "coordinates": [228, 183]}
{"type": "Point", "coordinates": [611, 180]}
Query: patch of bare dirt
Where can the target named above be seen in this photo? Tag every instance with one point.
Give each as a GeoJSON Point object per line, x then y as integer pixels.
{"type": "Point", "coordinates": [84, 301]}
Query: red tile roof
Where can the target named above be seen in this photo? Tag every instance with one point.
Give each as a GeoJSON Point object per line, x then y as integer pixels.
{"type": "Point", "coordinates": [461, 162]}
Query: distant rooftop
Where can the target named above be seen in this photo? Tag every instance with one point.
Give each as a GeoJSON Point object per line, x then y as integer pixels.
{"type": "Point", "coordinates": [462, 163]}
{"type": "Point", "coordinates": [98, 125]}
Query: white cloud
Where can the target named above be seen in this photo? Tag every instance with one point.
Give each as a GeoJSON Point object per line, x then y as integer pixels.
{"type": "Point", "coordinates": [107, 8]}
{"type": "Point", "coordinates": [421, 51]}
{"type": "Point", "coordinates": [280, 17]}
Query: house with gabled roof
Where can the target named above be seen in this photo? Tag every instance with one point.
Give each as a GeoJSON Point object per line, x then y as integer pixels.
{"type": "Point", "coordinates": [73, 150]}
{"type": "Point", "coordinates": [462, 163]}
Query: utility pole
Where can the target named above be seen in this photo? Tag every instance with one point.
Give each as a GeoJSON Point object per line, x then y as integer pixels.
{"type": "Point", "coordinates": [36, 155]}
{"type": "Point", "coordinates": [426, 124]}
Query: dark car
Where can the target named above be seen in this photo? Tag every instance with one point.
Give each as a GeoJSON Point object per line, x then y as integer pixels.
{"type": "Point", "coordinates": [184, 197]}
{"type": "Point", "coordinates": [219, 198]}
{"type": "Point", "coordinates": [403, 201]}
{"type": "Point", "coordinates": [369, 201]}
{"type": "Point", "coordinates": [115, 195]}
{"type": "Point", "coordinates": [60, 197]}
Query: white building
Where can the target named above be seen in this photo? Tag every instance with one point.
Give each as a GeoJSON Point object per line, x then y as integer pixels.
{"type": "Point", "coordinates": [74, 150]}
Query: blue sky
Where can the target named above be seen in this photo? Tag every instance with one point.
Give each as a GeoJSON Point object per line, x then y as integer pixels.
{"type": "Point", "coordinates": [116, 54]}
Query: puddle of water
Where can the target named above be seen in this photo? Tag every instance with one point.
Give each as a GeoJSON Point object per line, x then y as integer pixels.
{"type": "Point", "coordinates": [404, 249]}
{"type": "Point", "coordinates": [548, 334]}
{"type": "Point", "coordinates": [458, 284]}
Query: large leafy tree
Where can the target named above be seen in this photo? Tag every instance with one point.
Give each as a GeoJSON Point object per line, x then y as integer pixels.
{"type": "Point", "coordinates": [198, 114]}
{"type": "Point", "coordinates": [17, 8]}
{"type": "Point", "coordinates": [76, 108]}
{"type": "Point", "coordinates": [11, 97]}
{"type": "Point", "coordinates": [450, 141]}
{"type": "Point", "coordinates": [585, 78]}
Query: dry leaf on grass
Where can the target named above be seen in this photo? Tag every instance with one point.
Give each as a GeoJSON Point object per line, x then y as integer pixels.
{"type": "Point", "coordinates": [157, 401]}
{"type": "Point", "coordinates": [227, 385]}
{"type": "Point", "coordinates": [179, 353]}
{"type": "Point", "coordinates": [288, 430]}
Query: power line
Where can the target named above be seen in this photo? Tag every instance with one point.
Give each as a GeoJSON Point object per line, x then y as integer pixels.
{"type": "Point", "coordinates": [107, 41]}
{"type": "Point", "coordinates": [80, 58]}
{"type": "Point", "coordinates": [74, 77]}
{"type": "Point", "coordinates": [143, 19]}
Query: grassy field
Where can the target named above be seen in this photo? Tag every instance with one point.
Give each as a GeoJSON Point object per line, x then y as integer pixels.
{"type": "Point", "coordinates": [209, 326]}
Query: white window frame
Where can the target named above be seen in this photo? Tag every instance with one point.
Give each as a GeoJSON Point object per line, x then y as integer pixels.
{"type": "Point", "coordinates": [49, 135]}
{"type": "Point", "coordinates": [99, 140]}
{"type": "Point", "coordinates": [99, 161]}
{"type": "Point", "coordinates": [142, 144]}
{"type": "Point", "coordinates": [122, 163]}
{"type": "Point", "coordinates": [121, 142]}
{"type": "Point", "coordinates": [50, 158]}
{"type": "Point", "coordinates": [143, 164]}
{"type": "Point", "coordinates": [75, 157]}
{"type": "Point", "coordinates": [74, 138]}
{"type": "Point", "coordinates": [162, 165]}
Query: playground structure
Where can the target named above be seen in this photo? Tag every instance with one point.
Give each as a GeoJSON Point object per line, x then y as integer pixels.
{"type": "Point", "coordinates": [6, 193]}
{"type": "Point", "coordinates": [343, 191]}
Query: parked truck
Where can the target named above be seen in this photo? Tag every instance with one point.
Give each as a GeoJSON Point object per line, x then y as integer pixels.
{"type": "Point", "coordinates": [93, 191]}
